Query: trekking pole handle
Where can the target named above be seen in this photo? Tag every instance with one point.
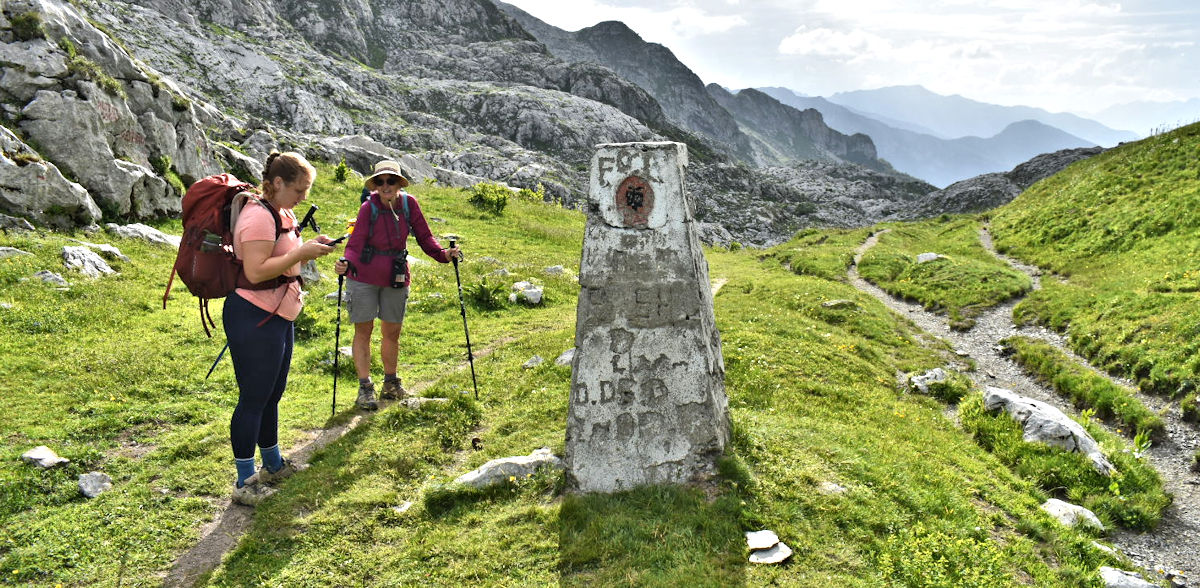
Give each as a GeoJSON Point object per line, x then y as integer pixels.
{"type": "Point", "coordinates": [308, 219]}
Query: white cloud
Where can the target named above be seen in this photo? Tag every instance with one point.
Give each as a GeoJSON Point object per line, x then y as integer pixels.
{"type": "Point", "coordinates": [826, 42]}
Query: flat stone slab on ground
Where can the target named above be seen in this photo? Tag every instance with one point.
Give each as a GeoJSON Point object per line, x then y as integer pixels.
{"type": "Point", "coordinates": [774, 555]}
{"type": "Point", "coordinates": [43, 457]}
{"type": "Point", "coordinates": [764, 539]}
{"type": "Point", "coordinates": [501, 469]}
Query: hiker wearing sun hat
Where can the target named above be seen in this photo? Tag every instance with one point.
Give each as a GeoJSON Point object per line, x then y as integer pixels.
{"type": "Point", "coordinates": [376, 267]}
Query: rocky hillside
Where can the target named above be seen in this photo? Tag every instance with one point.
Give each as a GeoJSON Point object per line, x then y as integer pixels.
{"type": "Point", "coordinates": [991, 190]}
{"type": "Point", "coordinates": [112, 107]}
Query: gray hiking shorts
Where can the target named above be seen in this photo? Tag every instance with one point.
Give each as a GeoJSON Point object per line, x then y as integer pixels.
{"type": "Point", "coordinates": [367, 303]}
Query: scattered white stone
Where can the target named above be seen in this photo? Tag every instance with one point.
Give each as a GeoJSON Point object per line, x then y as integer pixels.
{"type": "Point", "coordinates": [555, 270]}
{"type": "Point", "coordinates": [93, 484]}
{"type": "Point", "coordinates": [6, 305]}
{"type": "Point", "coordinates": [1046, 424]}
{"type": "Point", "coordinates": [774, 555]}
{"type": "Point", "coordinates": [491, 260]}
{"type": "Point", "coordinates": [764, 539]}
{"type": "Point", "coordinates": [831, 488]}
{"type": "Point", "coordinates": [416, 402]}
{"type": "Point", "coordinates": [51, 278]}
{"type": "Point", "coordinates": [412, 261]}
{"type": "Point", "coordinates": [310, 273]}
{"type": "Point", "coordinates": [1104, 548]}
{"type": "Point", "coordinates": [927, 257]}
{"type": "Point", "coordinates": [11, 251]}
{"type": "Point", "coordinates": [527, 292]}
{"type": "Point", "coordinates": [86, 261]}
{"type": "Point", "coordinates": [403, 508]}
{"type": "Point", "coordinates": [143, 232]}
{"type": "Point", "coordinates": [1071, 515]}
{"type": "Point", "coordinates": [566, 357]}
{"type": "Point", "coordinates": [105, 250]}
{"type": "Point", "coordinates": [501, 272]}
{"type": "Point", "coordinates": [43, 457]}
{"type": "Point", "coordinates": [334, 295]}
{"type": "Point", "coordinates": [836, 304]}
{"type": "Point", "coordinates": [922, 382]}
{"type": "Point", "coordinates": [1114, 578]}
{"type": "Point", "coordinates": [346, 350]}
{"type": "Point", "coordinates": [533, 362]}
{"type": "Point", "coordinates": [502, 469]}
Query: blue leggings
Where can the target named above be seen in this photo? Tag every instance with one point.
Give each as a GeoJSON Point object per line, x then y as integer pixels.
{"type": "Point", "coordinates": [261, 358]}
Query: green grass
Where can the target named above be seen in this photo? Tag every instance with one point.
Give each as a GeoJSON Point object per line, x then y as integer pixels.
{"type": "Point", "coordinates": [822, 253]}
{"type": "Point", "coordinates": [109, 379]}
{"type": "Point", "coordinates": [964, 281]}
{"type": "Point", "coordinates": [1122, 232]}
{"type": "Point", "coordinates": [1132, 498]}
{"type": "Point", "coordinates": [1083, 386]}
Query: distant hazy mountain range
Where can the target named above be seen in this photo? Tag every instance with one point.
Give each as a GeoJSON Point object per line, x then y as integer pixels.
{"type": "Point", "coordinates": [936, 138]}
{"type": "Point", "coordinates": [943, 139]}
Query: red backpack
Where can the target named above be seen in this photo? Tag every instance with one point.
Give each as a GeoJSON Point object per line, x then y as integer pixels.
{"type": "Point", "coordinates": [206, 262]}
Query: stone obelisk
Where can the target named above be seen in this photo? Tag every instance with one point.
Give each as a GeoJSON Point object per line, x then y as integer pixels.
{"type": "Point", "coordinates": [647, 401]}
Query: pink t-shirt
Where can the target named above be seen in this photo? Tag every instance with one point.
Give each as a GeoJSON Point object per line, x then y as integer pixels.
{"type": "Point", "coordinates": [255, 224]}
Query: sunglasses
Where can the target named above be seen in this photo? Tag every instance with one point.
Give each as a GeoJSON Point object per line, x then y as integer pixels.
{"type": "Point", "coordinates": [389, 180]}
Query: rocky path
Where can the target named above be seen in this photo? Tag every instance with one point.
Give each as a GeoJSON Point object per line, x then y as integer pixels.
{"type": "Point", "coordinates": [233, 520]}
{"type": "Point", "coordinates": [1172, 550]}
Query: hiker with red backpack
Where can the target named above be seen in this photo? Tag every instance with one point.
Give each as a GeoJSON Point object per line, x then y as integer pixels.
{"type": "Point", "coordinates": [258, 318]}
{"type": "Point", "coordinates": [376, 265]}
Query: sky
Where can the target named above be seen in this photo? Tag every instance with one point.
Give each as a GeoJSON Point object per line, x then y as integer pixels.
{"type": "Point", "coordinates": [1077, 56]}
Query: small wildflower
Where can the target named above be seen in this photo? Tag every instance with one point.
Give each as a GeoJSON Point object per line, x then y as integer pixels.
{"type": "Point", "coordinates": [512, 478]}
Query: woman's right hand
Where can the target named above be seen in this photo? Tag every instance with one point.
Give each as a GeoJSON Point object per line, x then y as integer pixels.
{"type": "Point", "coordinates": [315, 248]}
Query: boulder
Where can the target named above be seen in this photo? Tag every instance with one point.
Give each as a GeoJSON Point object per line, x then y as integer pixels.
{"type": "Point", "coordinates": [502, 469]}
{"type": "Point", "coordinates": [51, 278]}
{"type": "Point", "coordinates": [774, 555]}
{"type": "Point", "coordinates": [93, 484]}
{"type": "Point", "coordinates": [86, 261]}
{"type": "Point", "coordinates": [1046, 424]}
{"type": "Point", "coordinates": [566, 357]}
{"type": "Point", "coordinates": [533, 362]}
{"type": "Point", "coordinates": [1114, 578]}
{"type": "Point", "coordinates": [33, 188]}
{"type": "Point", "coordinates": [921, 383]}
{"type": "Point", "coordinates": [11, 251]}
{"type": "Point", "coordinates": [1071, 515]}
{"type": "Point", "coordinates": [526, 292]}
{"type": "Point", "coordinates": [143, 232]}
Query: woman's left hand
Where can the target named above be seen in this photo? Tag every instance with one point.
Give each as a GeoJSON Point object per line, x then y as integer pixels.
{"type": "Point", "coordinates": [455, 253]}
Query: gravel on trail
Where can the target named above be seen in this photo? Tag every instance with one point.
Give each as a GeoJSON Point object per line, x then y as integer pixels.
{"type": "Point", "coordinates": [1172, 550]}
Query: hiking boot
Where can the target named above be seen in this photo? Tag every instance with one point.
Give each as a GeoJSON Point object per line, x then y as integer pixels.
{"type": "Point", "coordinates": [366, 398]}
{"type": "Point", "coordinates": [393, 390]}
{"type": "Point", "coordinates": [251, 493]}
{"type": "Point", "coordinates": [266, 476]}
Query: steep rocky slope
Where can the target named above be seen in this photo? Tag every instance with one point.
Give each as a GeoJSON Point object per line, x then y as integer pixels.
{"type": "Point", "coordinates": [131, 101]}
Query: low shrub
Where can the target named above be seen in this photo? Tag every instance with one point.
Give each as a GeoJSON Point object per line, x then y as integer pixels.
{"type": "Point", "coordinates": [489, 197]}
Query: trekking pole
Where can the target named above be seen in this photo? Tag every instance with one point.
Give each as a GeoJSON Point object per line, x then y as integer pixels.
{"type": "Point", "coordinates": [337, 339]}
{"type": "Point", "coordinates": [462, 308]}
{"type": "Point", "coordinates": [214, 365]}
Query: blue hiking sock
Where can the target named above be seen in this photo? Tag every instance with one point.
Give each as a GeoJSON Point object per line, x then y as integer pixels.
{"type": "Point", "coordinates": [245, 469]}
{"type": "Point", "coordinates": [271, 458]}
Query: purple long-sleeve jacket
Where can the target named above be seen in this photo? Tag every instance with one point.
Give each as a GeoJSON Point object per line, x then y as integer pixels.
{"type": "Point", "coordinates": [391, 232]}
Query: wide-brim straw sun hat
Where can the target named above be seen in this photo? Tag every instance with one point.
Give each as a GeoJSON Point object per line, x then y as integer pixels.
{"type": "Point", "coordinates": [385, 168]}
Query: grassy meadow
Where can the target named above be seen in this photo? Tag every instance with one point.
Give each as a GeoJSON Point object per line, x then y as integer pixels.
{"type": "Point", "coordinates": [106, 377]}
{"type": "Point", "coordinates": [1121, 233]}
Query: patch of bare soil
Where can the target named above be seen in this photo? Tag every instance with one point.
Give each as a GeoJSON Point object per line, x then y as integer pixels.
{"type": "Point", "coordinates": [1170, 551]}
